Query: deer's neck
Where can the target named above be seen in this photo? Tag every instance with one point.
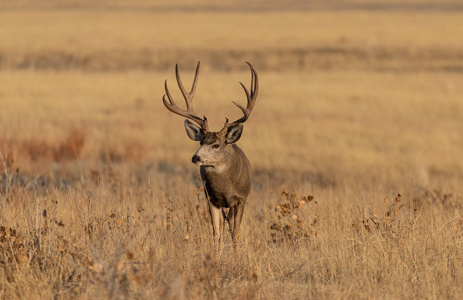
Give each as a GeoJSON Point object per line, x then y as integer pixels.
{"type": "Point", "coordinates": [228, 181]}
{"type": "Point", "coordinates": [236, 165]}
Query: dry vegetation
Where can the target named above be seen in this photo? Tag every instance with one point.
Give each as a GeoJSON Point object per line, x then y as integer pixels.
{"type": "Point", "coordinates": [356, 144]}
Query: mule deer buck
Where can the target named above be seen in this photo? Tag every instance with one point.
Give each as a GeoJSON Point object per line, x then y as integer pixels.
{"type": "Point", "coordinates": [225, 169]}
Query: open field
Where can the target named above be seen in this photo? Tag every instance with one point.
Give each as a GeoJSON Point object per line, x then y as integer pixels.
{"type": "Point", "coordinates": [359, 107]}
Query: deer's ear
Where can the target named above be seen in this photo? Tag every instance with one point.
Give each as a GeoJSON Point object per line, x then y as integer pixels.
{"type": "Point", "coordinates": [193, 131]}
{"type": "Point", "coordinates": [234, 133]}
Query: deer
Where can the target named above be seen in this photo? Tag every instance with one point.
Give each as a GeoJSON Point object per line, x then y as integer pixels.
{"type": "Point", "coordinates": [225, 170]}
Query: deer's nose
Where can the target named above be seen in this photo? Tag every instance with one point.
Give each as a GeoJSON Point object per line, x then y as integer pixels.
{"type": "Point", "coordinates": [195, 159]}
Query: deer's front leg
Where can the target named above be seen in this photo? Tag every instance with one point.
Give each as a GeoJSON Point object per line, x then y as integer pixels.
{"type": "Point", "coordinates": [217, 225]}
{"type": "Point", "coordinates": [237, 216]}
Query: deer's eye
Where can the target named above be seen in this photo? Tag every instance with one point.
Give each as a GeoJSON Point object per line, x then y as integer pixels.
{"type": "Point", "coordinates": [215, 146]}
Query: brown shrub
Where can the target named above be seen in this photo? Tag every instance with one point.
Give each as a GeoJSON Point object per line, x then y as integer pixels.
{"type": "Point", "coordinates": [289, 227]}
{"type": "Point", "coordinates": [71, 147]}
{"type": "Point", "coordinates": [6, 156]}
{"type": "Point", "coordinates": [134, 152]}
{"type": "Point", "coordinates": [37, 150]}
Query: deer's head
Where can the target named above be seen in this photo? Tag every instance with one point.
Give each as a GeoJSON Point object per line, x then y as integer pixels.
{"type": "Point", "coordinates": [215, 146]}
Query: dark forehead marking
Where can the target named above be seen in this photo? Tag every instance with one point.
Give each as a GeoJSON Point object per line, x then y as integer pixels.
{"type": "Point", "coordinates": [209, 138]}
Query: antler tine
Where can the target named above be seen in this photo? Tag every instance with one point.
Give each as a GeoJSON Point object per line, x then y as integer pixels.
{"type": "Point", "coordinates": [188, 96]}
{"type": "Point", "coordinates": [250, 96]}
{"type": "Point", "coordinates": [254, 84]}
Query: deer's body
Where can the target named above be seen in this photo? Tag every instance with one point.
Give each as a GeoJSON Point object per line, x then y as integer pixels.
{"type": "Point", "coordinates": [227, 187]}
{"type": "Point", "coordinates": [229, 182]}
{"type": "Point", "coordinates": [225, 169]}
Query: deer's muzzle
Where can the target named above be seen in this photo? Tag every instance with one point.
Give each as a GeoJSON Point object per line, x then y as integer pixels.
{"type": "Point", "coordinates": [195, 159]}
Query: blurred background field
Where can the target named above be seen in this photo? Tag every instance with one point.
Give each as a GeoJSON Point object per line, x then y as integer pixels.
{"type": "Point", "coordinates": [359, 107]}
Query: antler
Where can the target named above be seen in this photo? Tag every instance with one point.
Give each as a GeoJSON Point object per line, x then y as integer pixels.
{"type": "Point", "coordinates": [188, 96]}
{"type": "Point", "coordinates": [251, 97]}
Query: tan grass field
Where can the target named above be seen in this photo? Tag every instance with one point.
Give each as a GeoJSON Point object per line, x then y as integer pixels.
{"type": "Point", "coordinates": [359, 107]}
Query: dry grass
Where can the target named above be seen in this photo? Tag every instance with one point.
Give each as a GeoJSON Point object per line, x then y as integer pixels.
{"type": "Point", "coordinates": [355, 144]}
{"type": "Point", "coordinates": [109, 38]}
